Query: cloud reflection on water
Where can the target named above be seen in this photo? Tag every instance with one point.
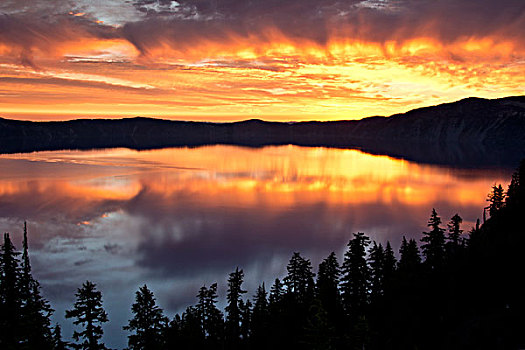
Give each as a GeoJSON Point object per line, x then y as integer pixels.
{"type": "Point", "coordinates": [178, 218]}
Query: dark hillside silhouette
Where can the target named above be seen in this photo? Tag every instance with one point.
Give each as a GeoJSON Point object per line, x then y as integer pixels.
{"type": "Point", "coordinates": [472, 132]}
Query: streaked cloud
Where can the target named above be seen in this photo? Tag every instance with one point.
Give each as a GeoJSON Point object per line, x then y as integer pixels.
{"type": "Point", "coordinates": [293, 59]}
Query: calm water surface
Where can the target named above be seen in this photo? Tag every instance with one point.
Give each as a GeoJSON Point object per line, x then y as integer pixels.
{"type": "Point", "coordinates": [178, 218]}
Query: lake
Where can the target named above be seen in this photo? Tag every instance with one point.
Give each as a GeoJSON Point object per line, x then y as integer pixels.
{"type": "Point", "coordinates": [179, 218]}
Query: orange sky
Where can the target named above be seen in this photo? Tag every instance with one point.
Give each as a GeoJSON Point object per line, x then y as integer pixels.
{"type": "Point", "coordinates": [372, 58]}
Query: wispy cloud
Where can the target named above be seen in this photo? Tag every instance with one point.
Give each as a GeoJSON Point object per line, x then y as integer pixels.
{"type": "Point", "coordinates": [276, 59]}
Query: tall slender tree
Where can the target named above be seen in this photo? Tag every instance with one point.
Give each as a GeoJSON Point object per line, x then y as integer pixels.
{"type": "Point", "coordinates": [300, 279]}
{"type": "Point", "coordinates": [356, 275]}
{"type": "Point", "coordinates": [35, 310]}
{"type": "Point", "coordinates": [410, 259]}
{"type": "Point", "coordinates": [58, 343]}
{"type": "Point", "coordinates": [89, 313]}
{"type": "Point", "coordinates": [434, 243]}
{"type": "Point", "coordinates": [389, 262]}
{"type": "Point", "coordinates": [233, 311]}
{"type": "Point", "coordinates": [246, 314]}
{"type": "Point", "coordinates": [211, 318]}
{"type": "Point", "coordinates": [148, 322]}
{"type": "Point", "coordinates": [454, 242]}
{"type": "Point", "coordinates": [377, 274]}
{"type": "Point", "coordinates": [260, 318]}
{"type": "Point", "coordinates": [328, 285]}
{"type": "Point", "coordinates": [496, 198]}
{"type": "Point", "coordinates": [276, 293]}
{"type": "Point", "coordinates": [10, 301]}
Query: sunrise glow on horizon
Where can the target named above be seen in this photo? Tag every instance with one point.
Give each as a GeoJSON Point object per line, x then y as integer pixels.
{"type": "Point", "coordinates": [228, 60]}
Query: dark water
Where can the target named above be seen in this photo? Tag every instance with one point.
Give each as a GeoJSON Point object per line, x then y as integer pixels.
{"type": "Point", "coordinates": [178, 218]}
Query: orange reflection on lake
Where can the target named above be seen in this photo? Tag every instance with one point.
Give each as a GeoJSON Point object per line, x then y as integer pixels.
{"type": "Point", "coordinates": [281, 176]}
{"type": "Point", "coordinates": [181, 217]}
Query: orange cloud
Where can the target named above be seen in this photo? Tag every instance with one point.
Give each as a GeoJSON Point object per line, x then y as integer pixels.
{"type": "Point", "coordinates": [292, 60]}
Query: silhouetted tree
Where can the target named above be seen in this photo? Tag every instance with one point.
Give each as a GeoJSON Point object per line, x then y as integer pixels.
{"type": "Point", "coordinates": [377, 262]}
{"type": "Point", "coordinates": [58, 343]}
{"type": "Point", "coordinates": [328, 286]}
{"type": "Point", "coordinates": [89, 313]}
{"type": "Point", "coordinates": [148, 322]}
{"type": "Point", "coordinates": [356, 276]}
{"type": "Point", "coordinates": [276, 292]}
{"type": "Point", "coordinates": [496, 199]}
{"type": "Point", "coordinates": [10, 302]}
{"type": "Point", "coordinates": [260, 318]}
{"type": "Point", "coordinates": [454, 242]}
{"type": "Point", "coordinates": [299, 294]}
{"type": "Point", "coordinates": [35, 310]}
{"type": "Point", "coordinates": [389, 265]}
{"type": "Point", "coordinates": [300, 279]}
{"type": "Point", "coordinates": [191, 329]}
{"type": "Point", "coordinates": [410, 259]}
{"type": "Point", "coordinates": [233, 312]}
{"type": "Point", "coordinates": [245, 308]}
{"type": "Point", "coordinates": [434, 243]}
{"type": "Point", "coordinates": [211, 318]}
{"type": "Point", "coordinates": [320, 332]}
{"type": "Point", "coordinates": [516, 191]}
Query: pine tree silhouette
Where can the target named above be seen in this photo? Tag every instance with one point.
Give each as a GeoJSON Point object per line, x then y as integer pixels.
{"type": "Point", "coordinates": [89, 313]}
{"type": "Point", "coordinates": [355, 280]}
{"type": "Point", "coordinates": [148, 322]}
{"type": "Point", "coordinates": [233, 309]}
{"type": "Point", "coordinates": [10, 302]}
{"type": "Point", "coordinates": [260, 319]}
{"type": "Point", "coordinates": [35, 310]}
{"type": "Point", "coordinates": [328, 287]}
{"type": "Point", "coordinates": [434, 243]}
{"type": "Point", "coordinates": [211, 318]}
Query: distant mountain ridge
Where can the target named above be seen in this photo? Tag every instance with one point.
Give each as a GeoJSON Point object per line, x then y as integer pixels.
{"type": "Point", "coordinates": [470, 132]}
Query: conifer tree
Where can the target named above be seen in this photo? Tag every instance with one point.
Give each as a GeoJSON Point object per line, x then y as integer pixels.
{"type": "Point", "coordinates": [320, 332]}
{"type": "Point", "coordinates": [246, 313]}
{"type": "Point", "coordinates": [356, 275]}
{"type": "Point", "coordinates": [434, 243]}
{"type": "Point", "coordinates": [192, 332]}
{"type": "Point", "coordinates": [233, 312]}
{"type": "Point", "coordinates": [89, 313]}
{"type": "Point", "coordinates": [377, 263]}
{"type": "Point", "coordinates": [410, 259]}
{"type": "Point", "coordinates": [10, 302]}
{"type": "Point", "coordinates": [276, 292]}
{"type": "Point", "coordinates": [58, 343]}
{"type": "Point", "coordinates": [516, 191]}
{"type": "Point", "coordinates": [148, 322]}
{"type": "Point", "coordinates": [211, 318]}
{"type": "Point", "coordinates": [299, 282]}
{"type": "Point", "coordinates": [35, 310]}
{"type": "Point", "coordinates": [496, 199]}
{"type": "Point", "coordinates": [328, 285]}
{"type": "Point", "coordinates": [389, 264]}
{"type": "Point", "coordinates": [260, 317]}
{"type": "Point", "coordinates": [454, 234]}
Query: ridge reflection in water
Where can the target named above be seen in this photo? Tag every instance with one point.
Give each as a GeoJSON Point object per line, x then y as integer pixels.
{"type": "Point", "coordinates": [178, 218]}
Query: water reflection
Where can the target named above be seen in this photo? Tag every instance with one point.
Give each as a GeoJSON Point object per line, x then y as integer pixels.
{"type": "Point", "coordinates": [177, 218]}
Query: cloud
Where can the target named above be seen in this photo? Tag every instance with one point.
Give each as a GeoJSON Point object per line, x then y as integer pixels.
{"type": "Point", "coordinates": [41, 27]}
{"type": "Point", "coordinates": [321, 22]}
{"type": "Point", "coordinates": [23, 37]}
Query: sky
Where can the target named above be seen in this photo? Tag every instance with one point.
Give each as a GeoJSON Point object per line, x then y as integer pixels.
{"type": "Point", "coordinates": [226, 60]}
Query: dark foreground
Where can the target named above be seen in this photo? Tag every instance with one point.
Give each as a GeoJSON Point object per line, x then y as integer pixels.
{"type": "Point", "coordinates": [451, 291]}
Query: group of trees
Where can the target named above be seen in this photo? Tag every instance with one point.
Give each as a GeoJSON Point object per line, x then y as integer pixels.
{"type": "Point", "coordinates": [454, 291]}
